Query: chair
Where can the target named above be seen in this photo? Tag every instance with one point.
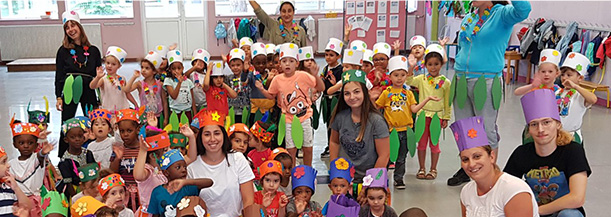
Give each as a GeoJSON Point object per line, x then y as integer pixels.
{"type": "Point", "coordinates": [515, 56]}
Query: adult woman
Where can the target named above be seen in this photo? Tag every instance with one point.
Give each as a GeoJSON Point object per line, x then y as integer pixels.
{"type": "Point", "coordinates": [233, 187]}
{"type": "Point", "coordinates": [75, 66]}
{"type": "Point", "coordinates": [481, 48]}
{"type": "Point", "coordinates": [284, 30]}
{"type": "Point", "coordinates": [492, 192]}
{"type": "Point", "coordinates": [554, 166]}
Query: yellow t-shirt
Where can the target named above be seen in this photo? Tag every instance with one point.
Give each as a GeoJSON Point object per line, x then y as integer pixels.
{"type": "Point", "coordinates": [426, 88]}
{"type": "Point", "coordinates": [396, 103]}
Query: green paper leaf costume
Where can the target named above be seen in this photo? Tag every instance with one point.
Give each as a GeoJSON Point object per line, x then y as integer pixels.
{"type": "Point", "coordinates": [480, 93]}
{"type": "Point", "coordinates": [435, 129]}
{"type": "Point", "coordinates": [281, 129]}
{"type": "Point", "coordinates": [394, 145]}
{"type": "Point", "coordinates": [297, 132]}
{"type": "Point", "coordinates": [497, 93]}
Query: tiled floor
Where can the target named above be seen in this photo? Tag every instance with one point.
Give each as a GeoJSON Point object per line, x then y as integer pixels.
{"type": "Point", "coordinates": [435, 197]}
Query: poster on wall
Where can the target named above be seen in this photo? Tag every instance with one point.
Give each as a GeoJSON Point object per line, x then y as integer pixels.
{"type": "Point", "coordinates": [360, 7]}
{"type": "Point", "coordinates": [366, 23]}
{"type": "Point", "coordinates": [349, 7]}
{"type": "Point", "coordinates": [394, 7]}
{"type": "Point", "coordinates": [394, 21]}
{"type": "Point", "coordinates": [382, 7]}
{"type": "Point", "coordinates": [371, 7]}
{"type": "Point", "coordinates": [381, 21]}
{"type": "Point", "coordinates": [360, 34]}
{"type": "Point", "coordinates": [381, 35]}
{"type": "Point", "coordinates": [394, 33]}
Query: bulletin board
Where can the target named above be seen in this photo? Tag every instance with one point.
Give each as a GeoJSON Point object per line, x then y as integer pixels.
{"type": "Point", "coordinates": [378, 16]}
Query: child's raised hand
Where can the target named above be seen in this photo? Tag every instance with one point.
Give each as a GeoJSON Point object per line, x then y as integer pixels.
{"type": "Point", "coordinates": [434, 98]}
{"type": "Point", "coordinates": [175, 185]}
{"type": "Point", "coordinates": [234, 42]}
{"type": "Point", "coordinates": [411, 59]}
{"type": "Point", "coordinates": [284, 200]}
{"type": "Point", "coordinates": [210, 66]}
{"type": "Point", "coordinates": [396, 45]}
{"type": "Point", "coordinates": [173, 46]}
{"type": "Point", "coordinates": [99, 72]}
{"type": "Point", "coordinates": [537, 80]}
{"type": "Point", "coordinates": [43, 134]}
{"type": "Point", "coordinates": [47, 147]}
{"type": "Point", "coordinates": [331, 78]}
{"type": "Point", "coordinates": [151, 119]}
{"type": "Point", "coordinates": [136, 73]}
{"type": "Point", "coordinates": [224, 58]}
{"type": "Point", "coordinates": [267, 199]}
{"type": "Point", "coordinates": [362, 199]}
{"type": "Point", "coordinates": [569, 84]}
{"type": "Point", "coordinates": [444, 124]}
{"type": "Point", "coordinates": [272, 73]}
{"type": "Point", "coordinates": [199, 66]}
{"type": "Point", "coordinates": [300, 205]}
{"type": "Point", "coordinates": [20, 211]}
{"type": "Point", "coordinates": [143, 145]}
{"type": "Point", "coordinates": [443, 41]}
{"type": "Point", "coordinates": [348, 29]}
{"type": "Point", "coordinates": [186, 131]}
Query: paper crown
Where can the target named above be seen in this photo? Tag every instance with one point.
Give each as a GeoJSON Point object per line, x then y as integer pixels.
{"type": "Point", "coordinates": [245, 41]}
{"type": "Point", "coordinates": [37, 116]}
{"type": "Point", "coordinates": [238, 127]}
{"type": "Point", "coordinates": [292, 2]}
{"type": "Point", "coordinates": [303, 175]}
{"type": "Point", "coordinates": [270, 49]}
{"type": "Point", "coordinates": [376, 178]}
{"type": "Point", "coordinates": [178, 140]}
{"type": "Point", "coordinates": [116, 52]}
{"type": "Point", "coordinates": [354, 57]}
{"type": "Point", "coordinates": [550, 56]}
{"type": "Point", "coordinates": [191, 206]}
{"type": "Point", "coordinates": [53, 202]}
{"type": "Point", "coordinates": [261, 133]}
{"type": "Point", "coordinates": [200, 54]}
{"type": "Point", "coordinates": [70, 15]}
{"type": "Point", "coordinates": [270, 166]}
{"type": "Point", "coordinates": [217, 69]}
{"type": "Point", "coordinates": [76, 122]}
{"type": "Point", "coordinates": [306, 53]}
{"type": "Point", "coordinates": [540, 103]}
{"type": "Point", "coordinates": [578, 62]}
{"type": "Point", "coordinates": [237, 53]}
{"type": "Point", "coordinates": [358, 45]}
{"type": "Point", "coordinates": [341, 168]}
{"type": "Point", "coordinates": [154, 58]}
{"type": "Point", "coordinates": [289, 50]}
{"type": "Point", "coordinates": [85, 206]}
{"type": "Point", "coordinates": [174, 56]}
{"type": "Point", "coordinates": [2, 152]}
{"type": "Point", "coordinates": [335, 44]}
{"type": "Point", "coordinates": [170, 157]}
{"type": "Point", "coordinates": [276, 152]}
{"type": "Point", "coordinates": [257, 49]}
{"type": "Point", "coordinates": [100, 113]}
{"type": "Point", "coordinates": [396, 63]}
{"type": "Point", "coordinates": [368, 56]}
{"type": "Point", "coordinates": [340, 205]}
{"type": "Point", "coordinates": [277, 49]}
{"type": "Point", "coordinates": [381, 47]}
{"type": "Point", "coordinates": [25, 129]}
{"type": "Point", "coordinates": [162, 50]}
{"type": "Point", "coordinates": [469, 133]}
{"type": "Point", "coordinates": [353, 75]}
{"type": "Point", "coordinates": [417, 40]}
{"type": "Point", "coordinates": [204, 118]}
{"type": "Point", "coordinates": [128, 114]}
{"type": "Point", "coordinates": [435, 48]}
{"type": "Point", "coordinates": [110, 181]}
{"type": "Point", "coordinates": [159, 141]}
{"type": "Point", "coordinates": [88, 172]}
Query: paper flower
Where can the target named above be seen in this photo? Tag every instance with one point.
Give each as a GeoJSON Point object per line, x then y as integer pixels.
{"type": "Point", "coordinates": [91, 172]}
{"type": "Point", "coordinates": [572, 55]}
{"type": "Point", "coordinates": [578, 67]}
{"type": "Point", "coordinates": [65, 203]}
{"type": "Point", "coordinates": [199, 211]}
{"type": "Point", "coordinates": [165, 162]}
{"type": "Point", "coordinates": [184, 203]}
{"type": "Point", "coordinates": [543, 59]}
{"type": "Point", "coordinates": [18, 128]}
{"type": "Point", "coordinates": [104, 186]}
{"type": "Point", "coordinates": [352, 170]}
{"type": "Point", "coordinates": [299, 172]}
{"type": "Point", "coordinates": [472, 133]}
{"type": "Point", "coordinates": [81, 208]}
{"type": "Point", "coordinates": [456, 136]}
{"type": "Point", "coordinates": [342, 164]}
{"type": "Point", "coordinates": [81, 175]}
{"type": "Point", "coordinates": [45, 203]}
{"type": "Point", "coordinates": [367, 180]}
{"type": "Point", "coordinates": [358, 73]}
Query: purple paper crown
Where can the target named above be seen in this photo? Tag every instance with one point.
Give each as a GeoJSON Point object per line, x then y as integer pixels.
{"type": "Point", "coordinates": [304, 176]}
{"type": "Point", "coordinates": [341, 168]}
{"type": "Point", "coordinates": [340, 205]}
{"type": "Point", "coordinates": [469, 133]}
{"type": "Point", "coordinates": [540, 103]}
{"type": "Point", "coordinates": [376, 177]}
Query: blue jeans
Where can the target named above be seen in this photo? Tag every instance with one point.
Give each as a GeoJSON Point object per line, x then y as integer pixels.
{"type": "Point", "coordinates": [568, 213]}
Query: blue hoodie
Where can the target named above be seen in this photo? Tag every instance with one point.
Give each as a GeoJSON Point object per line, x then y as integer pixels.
{"type": "Point", "coordinates": [485, 53]}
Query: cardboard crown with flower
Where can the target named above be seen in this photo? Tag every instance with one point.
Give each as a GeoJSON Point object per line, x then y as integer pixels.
{"type": "Point", "coordinates": [358, 45]}
{"type": "Point", "coordinates": [306, 53]}
{"type": "Point", "coordinates": [38, 116]}
{"type": "Point", "coordinates": [85, 206]}
{"type": "Point", "coordinates": [265, 135]}
{"type": "Point", "coordinates": [178, 140]}
{"type": "Point", "coordinates": [238, 127]}
{"type": "Point", "coordinates": [110, 181]}
{"type": "Point", "coordinates": [289, 50]}
{"type": "Point", "coordinates": [335, 45]}
{"type": "Point", "coordinates": [469, 133]}
{"type": "Point", "coordinates": [417, 40]}
{"type": "Point", "coordinates": [174, 56]}
{"type": "Point", "coordinates": [200, 54]}
{"type": "Point", "coordinates": [70, 15]}
{"type": "Point", "coordinates": [76, 122]}
{"type": "Point", "coordinates": [278, 151]}
{"type": "Point", "coordinates": [131, 114]}
{"type": "Point", "coordinates": [354, 57]}
{"type": "Point", "coordinates": [303, 175]}
{"type": "Point", "coordinates": [368, 56]}
{"type": "Point", "coordinates": [236, 53]}
{"type": "Point", "coordinates": [578, 62]}
{"type": "Point", "coordinates": [270, 166]}
{"type": "Point", "coordinates": [550, 56]}
{"type": "Point", "coordinates": [205, 117]}
{"type": "Point", "coordinates": [341, 205]}
{"type": "Point", "coordinates": [397, 63]}
{"type": "Point", "coordinates": [159, 141]}
{"type": "Point", "coordinates": [53, 202]}
{"type": "Point", "coordinates": [376, 178]}
{"type": "Point", "coordinates": [245, 41]}
{"type": "Point", "coordinates": [191, 206]}
{"type": "Point", "coordinates": [162, 50]}
{"type": "Point", "coordinates": [435, 48]}
{"type": "Point", "coordinates": [258, 49]}
{"type": "Point", "coordinates": [270, 49]}
{"type": "Point", "coordinates": [341, 168]}
{"type": "Point", "coordinates": [155, 58]}
{"type": "Point", "coordinates": [100, 113]}
{"type": "Point", "coordinates": [23, 128]}
{"type": "Point", "coordinates": [353, 75]}
{"type": "Point", "coordinates": [383, 48]}
{"type": "Point", "coordinates": [116, 52]}
{"type": "Point", "coordinates": [88, 172]}
{"type": "Point", "coordinates": [170, 157]}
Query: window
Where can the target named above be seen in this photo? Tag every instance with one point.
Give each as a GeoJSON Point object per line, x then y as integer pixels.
{"type": "Point", "coordinates": [243, 8]}
{"type": "Point", "coordinates": [161, 8]}
{"type": "Point", "coordinates": [102, 8]}
{"type": "Point", "coordinates": [27, 9]}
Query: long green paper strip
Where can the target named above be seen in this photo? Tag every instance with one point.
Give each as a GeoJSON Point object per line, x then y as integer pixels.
{"type": "Point", "coordinates": [258, 115]}
{"type": "Point", "coordinates": [497, 93]}
{"type": "Point", "coordinates": [161, 120]}
{"type": "Point", "coordinates": [461, 91]}
{"type": "Point", "coordinates": [435, 129]}
{"type": "Point", "coordinates": [315, 116]}
{"type": "Point", "coordinates": [453, 89]}
{"type": "Point", "coordinates": [394, 145]}
{"type": "Point", "coordinates": [333, 104]}
{"type": "Point", "coordinates": [245, 116]}
{"type": "Point", "coordinates": [68, 89]}
{"type": "Point", "coordinates": [411, 142]}
{"type": "Point", "coordinates": [174, 121]}
{"type": "Point", "coordinates": [297, 132]}
{"type": "Point", "coordinates": [77, 89]}
{"type": "Point", "coordinates": [231, 115]}
{"type": "Point", "coordinates": [184, 120]}
{"type": "Point", "coordinates": [480, 93]}
{"type": "Point", "coordinates": [325, 110]}
{"type": "Point", "coordinates": [420, 125]}
{"type": "Point", "coordinates": [281, 129]}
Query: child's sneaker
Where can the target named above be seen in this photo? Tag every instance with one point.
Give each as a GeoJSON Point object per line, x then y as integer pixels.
{"type": "Point", "coordinates": [399, 184]}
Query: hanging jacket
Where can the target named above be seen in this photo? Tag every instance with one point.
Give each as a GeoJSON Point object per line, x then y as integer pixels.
{"type": "Point", "coordinates": [528, 38]}
{"type": "Point", "coordinates": [310, 24]}
{"type": "Point", "coordinates": [604, 49]}
{"type": "Point", "coordinates": [563, 44]}
{"type": "Point", "coordinates": [244, 29]}
{"type": "Point", "coordinates": [231, 32]}
{"type": "Point", "coordinates": [596, 41]}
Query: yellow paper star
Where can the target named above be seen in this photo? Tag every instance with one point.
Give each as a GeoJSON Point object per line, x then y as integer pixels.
{"type": "Point", "coordinates": [346, 77]}
{"type": "Point", "coordinates": [215, 116]}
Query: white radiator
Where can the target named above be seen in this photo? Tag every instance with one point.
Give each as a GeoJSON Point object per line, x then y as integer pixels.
{"type": "Point", "coordinates": [329, 28]}
{"type": "Point", "coordinates": [39, 41]}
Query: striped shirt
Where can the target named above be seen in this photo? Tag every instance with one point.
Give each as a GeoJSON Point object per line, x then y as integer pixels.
{"type": "Point", "coordinates": [7, 199]}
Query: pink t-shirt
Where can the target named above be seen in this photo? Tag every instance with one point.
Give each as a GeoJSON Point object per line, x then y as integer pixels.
{"type": "Point", "coordinates": [150, 96]}
{"type": "Point", "coordinates": [145, 188]}
{"type": "Point", "coordinates": [293, 94]}
{"type": "Point", "coordinates": [257, 159]}
{"type": "Point", "coordinates": [112, 98]}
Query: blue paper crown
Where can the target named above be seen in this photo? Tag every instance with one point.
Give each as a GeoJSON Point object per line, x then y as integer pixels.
{"type": "Point", "coordinates": [341, 168]}
{"type": "Point", "coordinates": [170, 157]}
{"type": "Point", "coordinates": [304, 176]}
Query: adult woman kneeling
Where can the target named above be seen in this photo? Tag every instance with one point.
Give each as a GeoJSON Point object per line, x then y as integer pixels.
{"type": "Point", "coordinates": [554, 166]}
{"type": "Point", "coordinates": [233, 187]}
{"type": "Point", "coordinates": [491, 192]}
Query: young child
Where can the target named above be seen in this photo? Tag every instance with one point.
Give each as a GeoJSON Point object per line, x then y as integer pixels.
{"type": "Point", "coordinates": [399, 103]}
{"type": "Point", "coordinates": [376, 184]}
{"type": "Point", "coordinates": [124, 159]}
{"type": "Point", "coordinates": [262, 134]}
{"type": "Point", "coordinates": [216, 90]}
{"type": "Point", "coordinates": [353, 60]}
{"type": "Point", "coordinates": [304, 186]}
{"type": "Point", "coordinates": [367, 61]}
{"type": "Point", "coordinates": [238, 81]}
{"type": "Point", "coordinates": [546, 74]}
{"type": "Point", "coordinates": [240, 137]}
{"type": "Point", "coordinates": [106, 212]}
{"type": "Point", "coordinates": [54, 204]}
{"type": "Point", "coordinates": [88, 177]}
{"type": "Point", "coordinates": [417, 45]}
{"type": "Point", "coordinates": [292, 89]}
{"type": "Point", "coordinates": [341, 172]}
{"type": "Point", "coordinates": [197, 73]}
{"type": "Point", "coordinates": [282, 155]}
{"type": "Point", "coordinates": [150, 89]}
{"type": "Point", "coordinates": [114, 193]}
{"type": "Point", "coordinates": [112, 93]}
{"type": "Point", "coordinates": [147, 172]}
{"type": "Point", "coordinates": [85, 207]}
{"type": "Point", "coordinates": [74, 131]}
{"type": "Point", "coordinates": [331, 74]}
{"type": "Point", "coordinates": [246, 44]}
{"type": "Point", "coordinates": [180, 89]}
{"type": "Point", "coordinates": [163, 50]}
{"type": "Point", "coordinates": [306, 60]}
{"type": "Point", "coordinates": [378, 76]}
{"type": "Point", "coordinates": [10, 191]}
{"type": "Point", "coordinates": [273, 200]}
{"type": "Point", "coordinates": [413, 212]}
{"type": "Point", "coordinates": [101, 127]}
{"type": "Point", "coordinates": [165, 198]}
{"type": "Point", "coordinates": [573, 99]}
{"type": "Point", "coordinates": [435, 84]}
{"type": "Point", "coordinates": [258, 102]}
